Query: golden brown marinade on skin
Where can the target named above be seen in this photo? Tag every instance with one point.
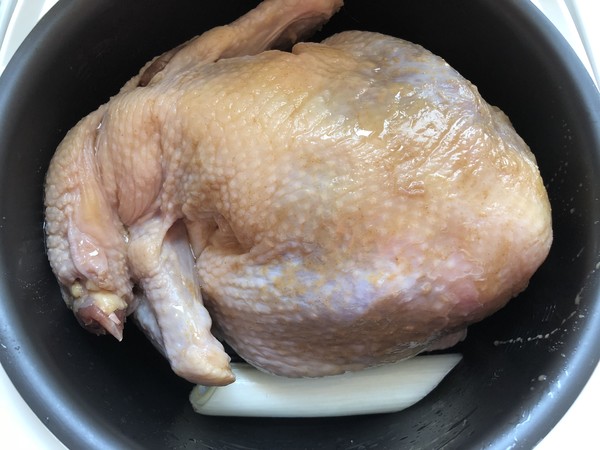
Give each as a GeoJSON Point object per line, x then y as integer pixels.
{"type": "Point", "coordinates": [346, 204]}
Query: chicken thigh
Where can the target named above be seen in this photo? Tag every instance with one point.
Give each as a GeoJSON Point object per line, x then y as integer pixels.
{"type": "Point", "coordinates": [347, 204]}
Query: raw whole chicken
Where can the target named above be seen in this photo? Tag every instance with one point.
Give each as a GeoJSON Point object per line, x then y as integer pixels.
{"type": "Point", "coordinates": [343, 205]}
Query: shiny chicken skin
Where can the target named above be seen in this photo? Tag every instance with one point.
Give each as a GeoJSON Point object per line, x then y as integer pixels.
{"type": "Point", "coordinates": [346, 204]}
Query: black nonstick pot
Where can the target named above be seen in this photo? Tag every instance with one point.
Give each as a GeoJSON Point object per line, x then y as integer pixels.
{"type": "Point", "coordinates": [522, 368]}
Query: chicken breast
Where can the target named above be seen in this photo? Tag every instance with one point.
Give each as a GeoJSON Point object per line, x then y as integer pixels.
{"type": "Point", "coordinates": [347, 204]}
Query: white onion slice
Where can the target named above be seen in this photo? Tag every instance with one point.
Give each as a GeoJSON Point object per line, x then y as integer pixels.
{"type": "Point", "coordinates": [382, 389]}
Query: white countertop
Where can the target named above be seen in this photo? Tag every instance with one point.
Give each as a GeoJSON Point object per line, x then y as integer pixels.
{"type": "Point", "coordinates": [20, 427]}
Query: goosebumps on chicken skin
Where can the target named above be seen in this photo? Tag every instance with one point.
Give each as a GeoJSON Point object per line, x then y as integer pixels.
{"type": "Point", "coordinates": [347, 204]}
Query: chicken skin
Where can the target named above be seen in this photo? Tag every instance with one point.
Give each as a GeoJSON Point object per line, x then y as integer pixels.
{"type": "Point", "coordinates": [346, 204]}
